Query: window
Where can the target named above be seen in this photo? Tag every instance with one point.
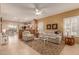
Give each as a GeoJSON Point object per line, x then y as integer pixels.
{"type": "Point", "coordinates": [71, 26]}
{"type": "Point", "coordinates": [40, 26]}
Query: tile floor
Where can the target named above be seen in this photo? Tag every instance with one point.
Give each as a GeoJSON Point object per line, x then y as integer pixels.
{"type": "Point", "coordinates": [15, 47]}
{"type": "Point", "coordinates": [70, 50]}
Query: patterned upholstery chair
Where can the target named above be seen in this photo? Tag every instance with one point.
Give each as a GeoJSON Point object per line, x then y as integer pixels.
{"type": "Point", "coordinates": [27, 36]}
{"type": "Point", "coordinates": [3, 38]}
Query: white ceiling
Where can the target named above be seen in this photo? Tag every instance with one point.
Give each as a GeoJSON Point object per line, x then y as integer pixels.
{"type": "Point", "coordinates": [23, 12]}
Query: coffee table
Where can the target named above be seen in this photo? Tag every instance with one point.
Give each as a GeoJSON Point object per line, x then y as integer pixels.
{"type": "Point", "coordinates": [45, 39]}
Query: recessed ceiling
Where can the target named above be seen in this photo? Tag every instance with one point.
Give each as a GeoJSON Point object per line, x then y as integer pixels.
{"type": "Point", "coordinates": [24, 12]}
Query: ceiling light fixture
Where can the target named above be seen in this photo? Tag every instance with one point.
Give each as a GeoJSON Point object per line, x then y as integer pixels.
{"type": "Point", "coordinates": [37, 12]}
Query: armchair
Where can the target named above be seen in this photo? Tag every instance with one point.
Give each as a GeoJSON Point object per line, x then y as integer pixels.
{"type": "Point", "coordinates": [3, 38]}
{"type": "Point", "coordinates": [27, 36]}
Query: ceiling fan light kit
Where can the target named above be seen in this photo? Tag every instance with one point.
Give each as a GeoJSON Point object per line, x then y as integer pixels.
{"type": "Point", "coordinates": [37, 12]}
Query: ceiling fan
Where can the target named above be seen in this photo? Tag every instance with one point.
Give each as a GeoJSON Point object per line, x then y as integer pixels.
{"type": "Point", "coordinates": [38, 10]}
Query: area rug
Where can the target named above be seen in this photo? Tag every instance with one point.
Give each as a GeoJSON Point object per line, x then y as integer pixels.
{"type": "Point", "coordinates": [47, 48]}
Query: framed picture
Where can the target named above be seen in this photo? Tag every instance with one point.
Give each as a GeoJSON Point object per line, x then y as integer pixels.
{"type": "Point", "coordinates": [48, 26]}
{"type": "Point", "coordinates": [54, 26]}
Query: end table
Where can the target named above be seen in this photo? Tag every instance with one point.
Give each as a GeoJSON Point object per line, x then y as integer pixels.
{"type": "Point", "coordinates": [70, 41]}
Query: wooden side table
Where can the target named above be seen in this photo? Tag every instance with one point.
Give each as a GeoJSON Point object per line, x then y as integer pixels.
{"type": "Point", "coordinates": [70, 41]}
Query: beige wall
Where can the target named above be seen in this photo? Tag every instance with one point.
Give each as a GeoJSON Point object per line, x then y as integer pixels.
{"type": "Point", "coordinates": [0, 17]}
{"type": "Point", "coordinates": [0, 24]}
{"type": "Point", "coordinates": [59, 19]}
